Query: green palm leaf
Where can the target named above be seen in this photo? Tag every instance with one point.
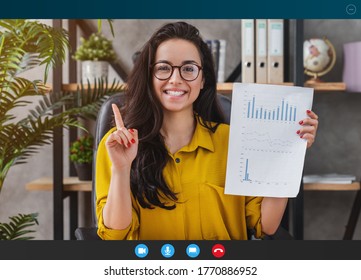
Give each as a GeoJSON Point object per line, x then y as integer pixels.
{"type": "Point", "coordinates": [22, 139]}
{"type": "Point", "coordinates": [30, 37]}
{"type": "Point", "coordinates": [16, 229]}
{"type": "Point", "coordinates": [25, 44]}
{"type": "Point", "coordinates": [13, 95]}
{"type": "Point", "coordinates": [87, 100]}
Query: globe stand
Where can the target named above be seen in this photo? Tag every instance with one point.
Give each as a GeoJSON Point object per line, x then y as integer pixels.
{"type": "Point", "coordinates": [316, 77]}
{"type": "Point", "coordinates": [314, 80]}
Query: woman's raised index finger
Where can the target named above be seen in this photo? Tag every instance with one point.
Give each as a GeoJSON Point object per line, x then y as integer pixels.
{"type": "Point", "coordinates": [118, 117]}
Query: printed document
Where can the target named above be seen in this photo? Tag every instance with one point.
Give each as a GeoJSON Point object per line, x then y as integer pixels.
{"type": "Point", "coordinates": [265, 154]}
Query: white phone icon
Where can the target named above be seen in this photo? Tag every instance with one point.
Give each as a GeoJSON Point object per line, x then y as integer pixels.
{"type": "Point", "coordinates": [218, 250]}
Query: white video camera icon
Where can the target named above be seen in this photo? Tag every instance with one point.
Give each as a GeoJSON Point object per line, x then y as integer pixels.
{"type": "Point", "coordinates": [142, 251]}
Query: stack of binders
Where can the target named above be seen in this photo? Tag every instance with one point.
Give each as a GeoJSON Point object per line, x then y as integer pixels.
{"type": "Point", "coordinates": [262, 51]}
{"type": "Point", "coordinates": [218, 50]}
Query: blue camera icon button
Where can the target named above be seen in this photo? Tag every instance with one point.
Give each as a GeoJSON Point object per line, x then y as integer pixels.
{"type": "Point", "coordinates": [141, 250]}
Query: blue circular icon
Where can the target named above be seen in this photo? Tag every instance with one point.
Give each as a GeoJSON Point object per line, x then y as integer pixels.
{"type": "Point", "coordinates": [141, 250]}
{"type": "Point", "coordinates": [167, 250]}
{"type": "Point", "coordinates": [193, 250]}
{"type": "Point", "coordinates": [351, 9]}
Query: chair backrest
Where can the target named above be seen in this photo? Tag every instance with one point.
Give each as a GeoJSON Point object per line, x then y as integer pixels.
{"type": "Point", "coordinates": [105, 121]}
{"type": "Point", "coordinates": [226, 107]}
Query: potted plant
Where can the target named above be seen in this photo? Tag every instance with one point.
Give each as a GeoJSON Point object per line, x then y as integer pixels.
{"type": "Point", "coordinates": [81, 154]}
{"type": "Point", "coordinates": [95, 53]}
{"type": "Point", "coordinates": [24, 45]}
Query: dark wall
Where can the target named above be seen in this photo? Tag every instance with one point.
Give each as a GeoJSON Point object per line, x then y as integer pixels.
{"type": "Point", "coordinates": [338, 143]}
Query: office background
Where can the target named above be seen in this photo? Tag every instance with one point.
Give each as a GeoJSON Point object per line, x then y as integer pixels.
{"type": "Point", "coordinates": [337, 148]}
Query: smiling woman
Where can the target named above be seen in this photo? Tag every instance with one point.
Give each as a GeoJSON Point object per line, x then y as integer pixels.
{"type": "Point", "coordinates": [160, 173]}
{"type": "Point", "coordinates": [177, 90]}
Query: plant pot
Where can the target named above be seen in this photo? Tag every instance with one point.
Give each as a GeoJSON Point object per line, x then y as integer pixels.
{"type": "Point", "coordinates": [84, 171]}
{"type": "Point", "coordinates": [94, 70]}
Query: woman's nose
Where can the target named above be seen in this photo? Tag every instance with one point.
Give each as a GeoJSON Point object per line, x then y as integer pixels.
{"type": "Point", "coordinates": [175, 77]}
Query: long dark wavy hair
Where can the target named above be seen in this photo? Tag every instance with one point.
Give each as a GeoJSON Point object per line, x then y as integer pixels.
{"type": "Point", "coordinates": [143, 111]}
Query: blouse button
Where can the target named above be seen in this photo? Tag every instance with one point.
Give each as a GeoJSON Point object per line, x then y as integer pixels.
{"type": "Point", "coordinates": [177, 160]}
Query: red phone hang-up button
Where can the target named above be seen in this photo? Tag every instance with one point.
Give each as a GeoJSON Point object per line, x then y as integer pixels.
{"type": "Point", "coordinates": [218, 250]}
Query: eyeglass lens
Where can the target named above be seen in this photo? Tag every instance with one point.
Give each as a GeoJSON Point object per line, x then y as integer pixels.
{"type": "Point", "coordinates": [164, 71]}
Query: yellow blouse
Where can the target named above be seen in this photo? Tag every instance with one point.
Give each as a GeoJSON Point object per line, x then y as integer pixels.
{"type": "Point", "coordinates": [197, 174]}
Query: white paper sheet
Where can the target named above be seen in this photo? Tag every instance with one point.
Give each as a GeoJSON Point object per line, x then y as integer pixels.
{"type": "Point", "coordinates": [265, 154]}
{"type": "Point", "coordinates": [330, 178]}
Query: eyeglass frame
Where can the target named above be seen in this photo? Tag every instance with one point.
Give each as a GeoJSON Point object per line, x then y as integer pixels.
{"type": "Point", "coordinates": [179, 70]}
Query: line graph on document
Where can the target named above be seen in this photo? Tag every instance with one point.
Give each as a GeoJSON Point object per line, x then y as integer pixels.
{"type": "Point", "coordinates": [264, 141]}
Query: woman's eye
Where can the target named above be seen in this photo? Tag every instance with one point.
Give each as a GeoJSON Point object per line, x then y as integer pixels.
{"type": "Point", "coordinates": [163, 68]}
{"type": "Point", "coordinates": [188, 69]}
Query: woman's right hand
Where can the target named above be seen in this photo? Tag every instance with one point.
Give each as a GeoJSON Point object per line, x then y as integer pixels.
{"type": "Point", "coordinates": [122, 144]}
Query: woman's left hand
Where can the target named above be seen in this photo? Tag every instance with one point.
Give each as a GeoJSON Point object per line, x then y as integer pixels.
{"type": "Point", "coordinates": [308, 128]}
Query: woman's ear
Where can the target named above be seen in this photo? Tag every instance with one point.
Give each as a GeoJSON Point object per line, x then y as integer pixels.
{"type": "Point", "coordinates": [202, 84]}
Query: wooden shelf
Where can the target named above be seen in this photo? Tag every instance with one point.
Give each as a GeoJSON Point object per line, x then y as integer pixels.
{"type": "Point", "coordinates": [74, 86]}
{"type": "Point", "coordinates": [71, 184]}
{"type": "Point", "coordinates": [226, 88]}
{"type": "Point", "coordinates": [327, 86]}
{"type": "Point", "coordinates": [355, 186]}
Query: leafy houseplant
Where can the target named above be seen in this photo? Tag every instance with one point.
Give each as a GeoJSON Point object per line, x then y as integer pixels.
{"type": "Point", "coordinates": [95, 53]}
{"type": "Point", "coordinates": [25, 45]}
{"type": "Point", "coordinates": [81, 154]}
{"type": "Point", "coordinates": [95, 48]}
{"type": "Point", "coordinates": [81, 150]}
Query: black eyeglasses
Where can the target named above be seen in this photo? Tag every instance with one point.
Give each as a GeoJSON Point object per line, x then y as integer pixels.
{"type": "Point", "coordinates": [163, 71]}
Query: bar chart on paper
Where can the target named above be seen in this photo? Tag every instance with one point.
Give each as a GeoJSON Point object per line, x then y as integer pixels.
{"type": "Point", "coordinates": [266, 155]}
{"type": "Point", "coordinates": [283, 111]}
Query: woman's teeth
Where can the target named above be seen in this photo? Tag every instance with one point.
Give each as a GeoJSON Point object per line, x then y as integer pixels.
{"type": "Point", "coordinates": [174, 93]}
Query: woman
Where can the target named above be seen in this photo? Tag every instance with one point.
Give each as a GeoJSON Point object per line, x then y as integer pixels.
{"type": "Point", "coordinates": [161, 172]}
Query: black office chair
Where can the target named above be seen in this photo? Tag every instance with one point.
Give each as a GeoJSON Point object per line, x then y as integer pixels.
{"type": "Point", "coordinates": [105, 121]}
{"type": "Point", "coordinates": [103, 124]}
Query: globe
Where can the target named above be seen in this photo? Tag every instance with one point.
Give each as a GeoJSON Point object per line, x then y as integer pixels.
{"type": "Point", "coordinates": [319, 57]}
